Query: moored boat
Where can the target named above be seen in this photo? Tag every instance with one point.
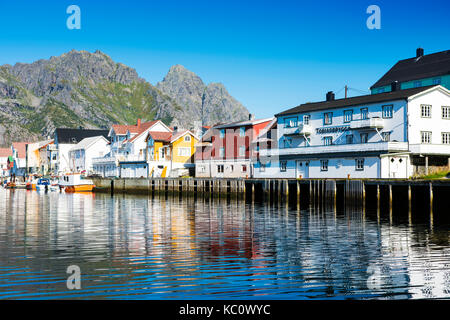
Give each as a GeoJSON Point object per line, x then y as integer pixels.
{"type": "Point", "coordinates": [43, 184]}
{"type": "Point", "coordinates": [75, 182]}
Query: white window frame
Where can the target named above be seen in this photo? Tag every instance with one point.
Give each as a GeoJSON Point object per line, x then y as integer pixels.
{"type": "Point", "coordinates": [346, 117]}
{"type": "Point", "coordinates": [359, 164]}
{"type": "Point", "coordinates": [425, 137]}
{"type": "Point", "coordinates": [184, 152]}
{"type": "Point", "coordinates": [387, 111]}
{"type": "Point", "coordinates": [187, 138]}
{"type": "Point", "coordinates": [328, 140]}
{"type": "Point", "coordinates": [242, 132]}
{"type": "Point", "coordinates": [446, 112]}
{"type": "Point", "coordinates": [364, 134]}
{"type": "Point", "coordinates": [222, 152]}
{"type": "Point", "coordinates": [291, 122]}
{"type": "Point", "coordinates": [445, 137]}
{"type": "Point", "coordinates": [425, 110]}
{"type": "Point", "coordinates": [364, 113]}
{"type": "Point", "coordinates": [306, 119]}
{"type": "Point", "coordinates": [323, 165]}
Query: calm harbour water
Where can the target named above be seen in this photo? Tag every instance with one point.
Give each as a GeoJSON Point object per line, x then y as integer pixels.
{"type": "Point", "coordinates": [139, 247]}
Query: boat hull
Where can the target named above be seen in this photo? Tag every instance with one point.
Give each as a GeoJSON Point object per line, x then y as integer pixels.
{"type": "Point", "coordinates": [80, 188]}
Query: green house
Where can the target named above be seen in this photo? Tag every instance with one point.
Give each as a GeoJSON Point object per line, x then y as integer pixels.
{"type": "Point", "coordinates": [420, 71]}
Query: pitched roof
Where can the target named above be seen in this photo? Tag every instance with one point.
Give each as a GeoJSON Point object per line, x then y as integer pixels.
{"type": "Point", "coordinates": [21, 148]}
{"type": "Point", "coordinates": [242, 123]}
{"type": "Point", "coordinates": [73, 136]}
{"type": "Point", "coordinates": [142, 128]}
{"type": "Point", "coordinates": [121, 129]}
{"type": "Point", "coordinates": [426, 66]}
{"type": "Point", "coordinates": [5, 152]}
{"type": "Point", "coordinates": [179, 134]}
{"type": "Point", "coordinates": [354, 101]}
{"type": "Point", "coordinates": [87, 142]}
{"type": "Point", "coordinates": [160, 136]}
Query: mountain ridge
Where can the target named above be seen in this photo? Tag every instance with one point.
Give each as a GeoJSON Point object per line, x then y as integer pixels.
{"type": "Point", "coordinates": [80, 88]}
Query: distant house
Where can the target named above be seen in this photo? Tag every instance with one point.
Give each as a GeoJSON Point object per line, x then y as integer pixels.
{"type": "Point", "coordinates": [171, 154]}
{"type": "Point", "coordinates": [33, 156]}
{"type": "Point", "coordinates": [5, 155]}
{"type": "Point", "coordinates": [226, 150]}
{"type": "Point", "coordinates": [19, 165]}
{"type": "Point", "coordinates": [48, 157]}
{"type": "Point", "coordinates": [128, 145]}
{"type": "Point", "coordinates": [263, 165]}
{"type": "Point", "coordinates": [65, 139]}
{"type": "Point", "coordinates": [81, 154]}
{"type": "Point", "coordinates": [419, 71]}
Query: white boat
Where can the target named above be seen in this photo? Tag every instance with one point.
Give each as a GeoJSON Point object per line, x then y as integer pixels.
{"type": "Point", "coordinates": [75, 182]}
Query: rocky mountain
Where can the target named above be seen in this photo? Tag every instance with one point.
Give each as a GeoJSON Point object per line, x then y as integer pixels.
{"type": "Point", "coordinates": [189, 92]}
{"type": "Point", "coordinates": [86, 89]}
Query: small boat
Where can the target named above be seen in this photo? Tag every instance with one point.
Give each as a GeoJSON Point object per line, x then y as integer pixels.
{"type": "Point", "coordinates": [75, 182]}
{"type": "Point", "coordinates": [43, 184]}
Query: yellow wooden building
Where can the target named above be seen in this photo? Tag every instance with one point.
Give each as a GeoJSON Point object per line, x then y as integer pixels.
{"type": "Point", "coordinates": [171, 154]}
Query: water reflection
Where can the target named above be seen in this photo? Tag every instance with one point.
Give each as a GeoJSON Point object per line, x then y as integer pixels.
{"type": "Point", "coordinates": [184, 248]}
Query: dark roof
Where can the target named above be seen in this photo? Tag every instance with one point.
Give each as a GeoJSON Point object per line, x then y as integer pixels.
{"type": "Point", "coordinates": [73, 136]}
{"type": "Point", "coordinates": [426, 66]}
{"type": "Point", "coordinates": [360, 100]}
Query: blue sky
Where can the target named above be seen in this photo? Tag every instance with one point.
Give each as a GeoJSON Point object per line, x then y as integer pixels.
{"type": "Point", "coordinates": [271, 55]}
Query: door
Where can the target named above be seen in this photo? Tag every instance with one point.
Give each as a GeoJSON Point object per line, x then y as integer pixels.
{"type": "Point", "coordinates": [302, 169]}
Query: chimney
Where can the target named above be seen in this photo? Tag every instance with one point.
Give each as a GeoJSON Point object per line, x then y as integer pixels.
{"type": "Point", "coordinates": [395, 86]}
{"type": "Point", "coordinates": [138, 122]}
{"type": "Point", "coordinates": [251, 116]}
{"type": "Point", "coordinates": [330, 96]}
{"type": "Point", "coordinates": [419, 52]}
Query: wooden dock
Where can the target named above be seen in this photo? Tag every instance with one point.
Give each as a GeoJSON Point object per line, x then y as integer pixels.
{"type": "Point", "coordinates": [373, 193]}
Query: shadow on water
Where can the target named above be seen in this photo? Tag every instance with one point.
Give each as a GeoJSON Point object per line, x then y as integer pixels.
{"type": "Point", "coordinates": [178, 247]}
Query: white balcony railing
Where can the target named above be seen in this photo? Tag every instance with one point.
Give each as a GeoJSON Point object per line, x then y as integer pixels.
{"type": "Point", "coordinates": [434, 149]}
{"type": "Point", "coordinates": [374, 123]}
{"type": "Point", "coordinates": [302, 129]}
{"type": "Point", "coordinates": [103, 160]}
{"type": "Point", "coordinates": [356, 148]}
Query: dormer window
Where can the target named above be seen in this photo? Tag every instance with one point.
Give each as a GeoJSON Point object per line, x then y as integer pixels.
{"type": "Point", "coordinates": [187, 138]}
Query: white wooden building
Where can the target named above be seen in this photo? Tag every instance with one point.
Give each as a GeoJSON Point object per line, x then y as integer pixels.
{"type": "Point", "coordinates": [397, 134]}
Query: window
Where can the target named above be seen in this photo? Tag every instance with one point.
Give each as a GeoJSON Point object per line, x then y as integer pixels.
{"type": "Point", "coordinates": [328, 118]}
{"type": "Point", "coordinates": [386, 136]}
{"type": "Point", "coordinates": [244, 168]}
{"type": "Point", "coordinates": [364, 113]}
{"type": "Point", "coordinates": [241, 151]}
{"type": "Point", "coordinates": [348, 115]}
{"type": "Point", "coordinates": [426, 136]}
{"type": "Point", "coordinates": [283, 165]}
{"type": "Point", "coordinates": [201, 169]}
{"type": "Point", "coordinates": [184, 152]}
{"type": "Point", "coordinates": [445, 112]}
{"type": "Point", "coordinates": [306, 119]}
{"type": "Point", "coordinates": [417, 84]}
{"type": "Point", "coordinates": [187, 138]}
{"type": "Point", "coordinates": [436, 81]}
{"type": "Point", "coordinates": [425, 111]}
{"type": "Point", "coordinates": [222, 133]}
{"type": "Point", "coordinates": [359, 164]}
{"type": "Point", "coordinates": [231, 168]}
{"type": "Point", "coordinates": [364, 137]}
{"type": "Point", "coordinates": [446, 137]}
{"type": "Point", "coordinates": [323, 165]}
{"type": "Point", "coordinates": [290, 122]}
{"type": "Point", "coordinates": [222, 152]}
{"type": "Point", "coordinates": [242, 131]}
{"type": "Point", "coordinates": [220, 168]}
{"type": "Point", "coordinates": [349, 139]}
{"type": "Point", "coordinates": [387, 111]}
{"type": "Point", "coordinates": [327, 141]}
